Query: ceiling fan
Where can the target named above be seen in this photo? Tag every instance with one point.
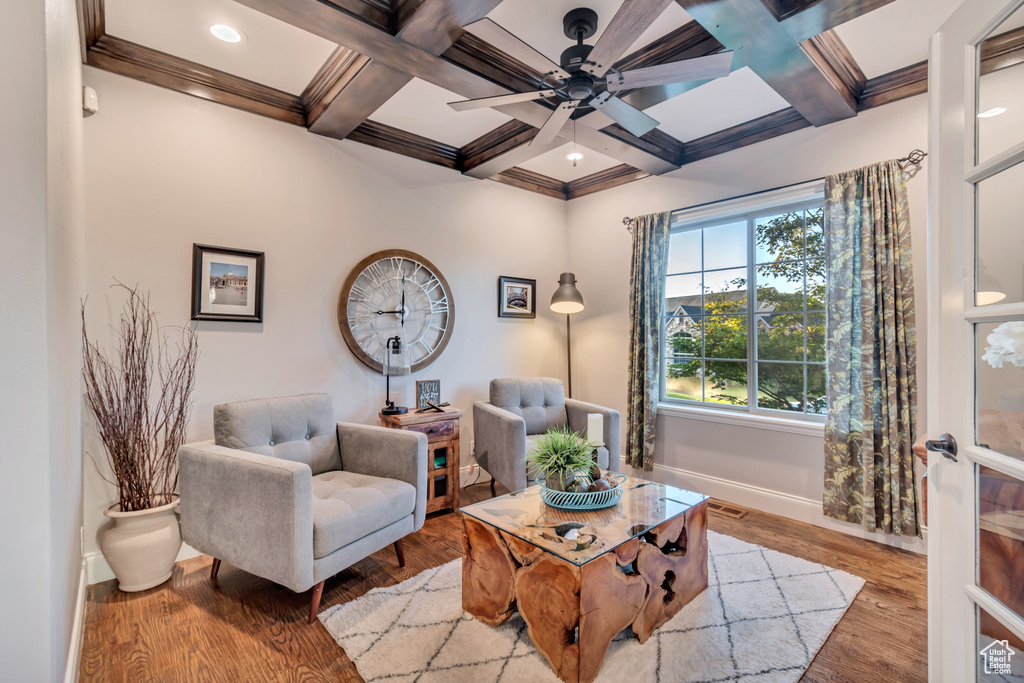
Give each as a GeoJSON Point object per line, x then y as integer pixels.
{"type": "Point", "coordinates": [584, 77]}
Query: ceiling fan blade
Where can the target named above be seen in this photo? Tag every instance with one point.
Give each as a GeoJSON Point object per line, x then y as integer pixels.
{"type": "Point", "coordinates": [487, 30]}
{"type": "Point", "coordinates": [697, 69]}
{"type": "Point", "coordinates": [498, 100]}
{"type": "Point", "coordinates": [627, 116]}
{"type": "Point", "coordinates": [632, 19]}
{"type": "Point", "coordinates": [549, 131]}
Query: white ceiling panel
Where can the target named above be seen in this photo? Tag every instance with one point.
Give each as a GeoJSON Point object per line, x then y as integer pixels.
{"type": "Point", "coordinates": [717, 105]}
{"type": "Point", "coordinates": [896, 35]}
{"type": "Point", "coordinates": [272, 52]}
{"type": "Point", "coordinates": [554, 164]}
{"type": "Point", "coordinates": [539, 22]}
{"type": "Point", "coordinates": [422, 108]}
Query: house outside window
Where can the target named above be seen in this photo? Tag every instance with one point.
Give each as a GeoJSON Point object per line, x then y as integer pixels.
{"type": "Point", "coordinates": [744, 321]}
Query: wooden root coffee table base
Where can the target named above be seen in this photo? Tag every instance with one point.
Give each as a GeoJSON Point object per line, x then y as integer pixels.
{"type": "Point", "coordinates": [642, 583]}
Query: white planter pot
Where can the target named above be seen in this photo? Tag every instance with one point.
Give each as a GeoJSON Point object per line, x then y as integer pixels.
{"type": "Point", "coordinates": [141, 546]}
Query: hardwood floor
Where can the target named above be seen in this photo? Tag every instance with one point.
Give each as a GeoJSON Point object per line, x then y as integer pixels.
{"type": "Point", "coordinates": [247, 629]}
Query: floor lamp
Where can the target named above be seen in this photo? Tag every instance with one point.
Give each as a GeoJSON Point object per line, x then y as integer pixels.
{"type": "Point", "coordinates": [567, 299]}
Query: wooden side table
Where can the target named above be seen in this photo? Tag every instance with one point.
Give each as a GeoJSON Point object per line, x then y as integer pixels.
{"type": "Point", "coordinates": [442, 430]}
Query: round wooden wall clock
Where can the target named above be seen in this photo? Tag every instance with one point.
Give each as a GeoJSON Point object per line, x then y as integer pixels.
{"type": "Point", "coordinates": [396, 292]}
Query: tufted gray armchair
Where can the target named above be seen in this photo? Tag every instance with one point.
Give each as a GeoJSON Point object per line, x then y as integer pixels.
{"type": "Point", "coordinates": [288, 494]}
{"type": "Point", "coordinates": [520, 411]}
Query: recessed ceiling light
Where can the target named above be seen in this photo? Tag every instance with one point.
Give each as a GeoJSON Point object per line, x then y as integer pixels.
{"type": "Point", "coordinates": [995, 111]}
{"type": "Point", "coordinates": [226, 33]}
{"type": "Point", "coordinates": [573, 156]}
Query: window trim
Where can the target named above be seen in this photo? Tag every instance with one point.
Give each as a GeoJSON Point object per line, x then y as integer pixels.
{"type": "Point", "coordinates": [748, 208]}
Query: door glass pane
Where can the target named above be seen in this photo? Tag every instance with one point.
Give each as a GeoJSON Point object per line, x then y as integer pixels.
{"type": "Point", "coordinates": [995, 663]}
{"type": "Point", "coordinates": [1000, 238]}
{"type": "Point", "coordinates": [1000, 387]}
{"type": "Point", "coordinates": [1001, 538]}
{"type": "Point", "coordinates": [1000, 92]}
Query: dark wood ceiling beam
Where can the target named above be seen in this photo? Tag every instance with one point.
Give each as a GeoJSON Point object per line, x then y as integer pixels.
{"type": "Point", "coordinates": [833, 59]}
{"type": "Point", "coordinates": [377, 13]}
{"type": "Point", "coordinates": [758, 130]}
{"type": "Point", "coordinates": [91, 23]}
{"type": "Point", "coordinates": [603, 180]}
{"type": "Point", "coordinates": [534, 182]}
{"type": "Point", "coordinates": [405, 143]}
{"type": "Point", "coordinates": [361, 89]}
{"type": "Point", "coordinates": [339, 27]}
{"type": "Point", "coordinates": [158, 68]}
{"type": "Point", "coordinates": [803, 19]}
{"type": "Point", "coordinates": [749, 29]}
{"type": "Point", "coordinates": [998, 52]}
{"type": "Point", "coordinates": [331, 79]}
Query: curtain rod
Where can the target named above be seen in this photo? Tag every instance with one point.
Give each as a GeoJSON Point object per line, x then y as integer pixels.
{"type": "Point", "coordinates": [914, 157]}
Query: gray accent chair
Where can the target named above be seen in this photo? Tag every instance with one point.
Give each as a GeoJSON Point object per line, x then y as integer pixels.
{"type": "Point", "coordinates": [288, 494]}
{"type": "Point", "coordinates": [520, 410]}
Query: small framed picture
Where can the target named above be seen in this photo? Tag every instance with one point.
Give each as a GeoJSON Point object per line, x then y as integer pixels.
{"type": "Point", "coordinates": [227, 284]}
{"type": "Point", "coordinates": [517, 297]}
{"type": "Point", "coordinates": [428, 391]}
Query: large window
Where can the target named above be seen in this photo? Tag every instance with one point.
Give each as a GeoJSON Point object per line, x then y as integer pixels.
{"type": "Point", "coordinates": [761, 347]}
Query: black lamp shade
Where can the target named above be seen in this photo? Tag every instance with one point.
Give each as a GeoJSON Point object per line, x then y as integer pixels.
{"type": "Point", "coordinates": [567, 299]}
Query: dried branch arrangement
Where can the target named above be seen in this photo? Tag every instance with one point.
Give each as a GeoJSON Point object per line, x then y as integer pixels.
{"type": "Point", "coordinates": [142, 399]}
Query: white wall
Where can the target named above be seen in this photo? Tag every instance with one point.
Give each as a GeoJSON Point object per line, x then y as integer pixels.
{"type": "Point", "coordinates": [164, 170]}
{"type": "Point", "coordinates": [40, 219]}
{"type": "Point", "coordinates": [777, 471]}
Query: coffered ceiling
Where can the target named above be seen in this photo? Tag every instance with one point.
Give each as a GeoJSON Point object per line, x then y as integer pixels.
{"type": "Point", "coordinates": [382, 72]}
{"type": "Point", "coordinates": [272, 52]}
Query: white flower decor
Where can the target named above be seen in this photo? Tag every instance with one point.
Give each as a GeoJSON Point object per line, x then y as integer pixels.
{"type": "Point", "coordinates": [1006, 345]}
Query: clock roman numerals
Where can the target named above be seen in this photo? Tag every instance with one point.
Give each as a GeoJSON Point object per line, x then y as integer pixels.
{"type": "Point", "coordinates": [371, 308]}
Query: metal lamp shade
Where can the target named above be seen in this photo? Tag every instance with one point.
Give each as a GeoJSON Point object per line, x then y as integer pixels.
{"type": "Point", "coordinates": [567, 299]}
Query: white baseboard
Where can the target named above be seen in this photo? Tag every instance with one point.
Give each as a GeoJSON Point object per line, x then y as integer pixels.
{"type": "Point", "coordinates": [776, 502]}
{"type": "Point", "coordinates": [469, 474]}
{"type": "Point", "coordinates": [77, 629]}
{"type": "Point", "coordinates": [98, 570]}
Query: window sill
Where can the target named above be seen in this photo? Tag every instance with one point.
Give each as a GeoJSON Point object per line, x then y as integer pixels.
{"type": "Point", "coordinates": [742, 419]}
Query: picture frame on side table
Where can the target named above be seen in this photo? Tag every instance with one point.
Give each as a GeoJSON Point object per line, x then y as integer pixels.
{"type": "Point", "coordinates": [227, 284]}
{"type": "Point", "coordinates": [428, 390]}
{"type": "Point", "coordinates": [517, 297]}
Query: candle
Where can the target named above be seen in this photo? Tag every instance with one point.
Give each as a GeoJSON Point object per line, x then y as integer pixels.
{"type": "Point", "coordinates": [595, 429]}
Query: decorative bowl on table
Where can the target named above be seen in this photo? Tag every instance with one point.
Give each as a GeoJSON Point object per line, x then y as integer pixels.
{"type": "Point", "coordinates": [582, 500]}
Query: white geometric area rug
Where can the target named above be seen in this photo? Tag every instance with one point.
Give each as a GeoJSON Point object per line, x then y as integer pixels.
{"type": "Point", "coordinates": [762, 619]}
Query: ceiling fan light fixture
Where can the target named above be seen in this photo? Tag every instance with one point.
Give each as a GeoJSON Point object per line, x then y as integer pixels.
{"type": "Point", "coordinates": [228, 34]}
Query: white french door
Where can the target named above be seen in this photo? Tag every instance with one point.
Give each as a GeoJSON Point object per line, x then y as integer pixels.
{"type": "Point", "coordinates": [976, 348]}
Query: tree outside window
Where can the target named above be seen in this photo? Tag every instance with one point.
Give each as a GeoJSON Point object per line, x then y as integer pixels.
{"type": "Point", "coordinates": [715, 330]}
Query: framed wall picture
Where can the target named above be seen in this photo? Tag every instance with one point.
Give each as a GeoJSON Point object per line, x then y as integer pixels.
{"type": "Point", "coordinates": [517, 297]}
{"type": "Point", "coordinates": [227, 284]}
{"type": "Point", "coordinates": [428, 390]}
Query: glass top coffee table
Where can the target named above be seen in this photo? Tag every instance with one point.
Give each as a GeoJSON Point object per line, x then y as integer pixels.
{"type": "Point", "coordinates": [579, 578]}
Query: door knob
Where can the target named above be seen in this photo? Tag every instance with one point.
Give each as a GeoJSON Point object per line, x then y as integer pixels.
{"type": "Point", "coordinates": [945, 444]}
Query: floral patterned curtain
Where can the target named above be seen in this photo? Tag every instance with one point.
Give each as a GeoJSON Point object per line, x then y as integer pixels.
{"type": "Point", "coordinates": [646, 303]}
{"type": "Point", "coordinates": [872, 380]}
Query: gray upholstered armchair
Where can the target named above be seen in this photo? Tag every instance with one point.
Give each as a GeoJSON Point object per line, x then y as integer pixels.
{"type": "Point", "coordinates": [520, 410]}
{"type": "Point", "coordinates": [289, 494]}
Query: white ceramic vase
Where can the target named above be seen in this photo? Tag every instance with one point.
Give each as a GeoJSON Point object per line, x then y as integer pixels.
{"type": "Point", "coordinates": [141, 546]}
